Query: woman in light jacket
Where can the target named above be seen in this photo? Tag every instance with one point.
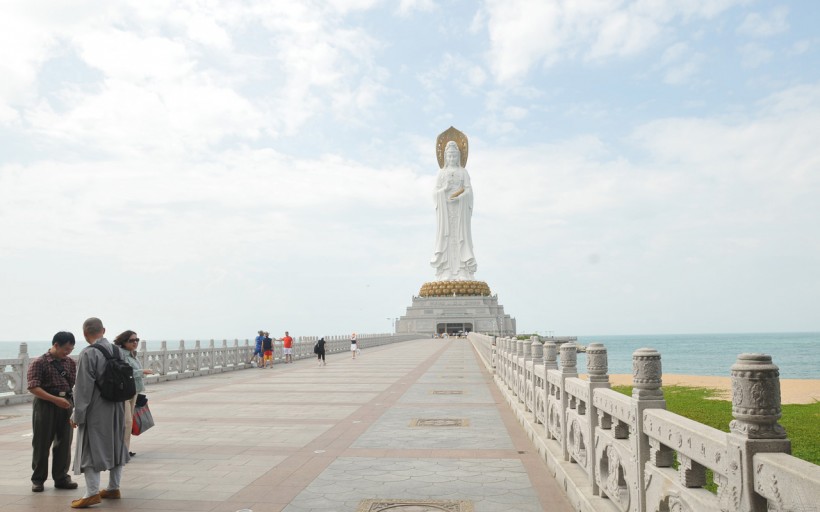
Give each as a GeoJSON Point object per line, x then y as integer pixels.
{"type": "Point", "coordinates": [129, 342]}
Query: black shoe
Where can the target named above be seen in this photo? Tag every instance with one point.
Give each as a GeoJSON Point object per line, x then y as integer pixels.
{"type": "Point", "coordinates": [65, 484]}
{"type": "Point", "coordinates": [131, 454]}
{"type": "Point", "coordinates": [37, 487]}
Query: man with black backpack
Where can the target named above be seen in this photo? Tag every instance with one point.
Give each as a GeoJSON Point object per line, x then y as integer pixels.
{"type": "Point", "coordinates": [100, 391]}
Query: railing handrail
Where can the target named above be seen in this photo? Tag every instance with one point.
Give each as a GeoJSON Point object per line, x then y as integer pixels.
{"type": "Point", "coordinates": [627, 446]}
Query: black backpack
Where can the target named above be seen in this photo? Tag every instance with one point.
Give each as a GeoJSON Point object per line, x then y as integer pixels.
{"type": "Point", "coordinates": [116, 384]}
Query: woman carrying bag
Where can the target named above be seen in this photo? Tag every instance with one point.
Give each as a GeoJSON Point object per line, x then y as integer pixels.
{"type": "Point", "coordinates": [129, 341]}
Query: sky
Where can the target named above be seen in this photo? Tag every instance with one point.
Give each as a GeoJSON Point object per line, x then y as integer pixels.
{"type": "Point", "coordinates": [205, 169]}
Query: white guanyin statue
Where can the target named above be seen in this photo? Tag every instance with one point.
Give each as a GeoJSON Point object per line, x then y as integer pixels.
{"type": "Point", "coordinates": [453, 256]}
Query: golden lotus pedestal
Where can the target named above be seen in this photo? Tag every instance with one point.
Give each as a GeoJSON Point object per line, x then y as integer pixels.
{"type": "Point", "coordinates": [454, 307]}
{"type": "Point", "coordinates": [457, 288]}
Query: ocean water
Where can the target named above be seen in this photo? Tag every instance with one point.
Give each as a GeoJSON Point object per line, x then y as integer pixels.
{"type": "Point", "coordinates": [796, 354]}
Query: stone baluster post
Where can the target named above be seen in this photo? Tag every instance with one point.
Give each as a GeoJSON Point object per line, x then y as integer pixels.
{"type": "Point", "coordinates": [537, 351]}
{"type": "Point", "coordinates": [550, 356]}
{"type": "Point", "coordinates": [550, 363]}
{"type": "Point", "coordinates": [21, 386]}
{"type": "Point", "coordinates": [754, 429]}
{"type": "Point", "coordinates": [235, 356]}
{"type": "Point", "coordinates": [647, 394]}
{"type": "Point", "coordinates": [519, 367]}
{"type": "Point", "coordinates": [142, 354]}
{"type": "Point", "coordinates": [212, 354]}
{"type": "Point", "coordinates": [163, 354]}
{"type": "Point", "coordinates": [198, 354]}
{"type": "Point", "coordinates": [183, 361]}
{"type": "Point", "coordinates": [224, 353]}
{"type": "Point", "coordinates": [597, 367]}
{"type": "Point", "coordinates": [569, 369]}
{"type": "Point", "coordinates": [494, 354]}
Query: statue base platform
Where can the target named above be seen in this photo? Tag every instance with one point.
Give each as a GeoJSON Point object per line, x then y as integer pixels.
{"type": "Point", "coordinates": [454, 314]}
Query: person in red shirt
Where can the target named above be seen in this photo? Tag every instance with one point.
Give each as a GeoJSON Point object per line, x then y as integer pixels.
{"type": "Point", "coordinates": [287, 345]}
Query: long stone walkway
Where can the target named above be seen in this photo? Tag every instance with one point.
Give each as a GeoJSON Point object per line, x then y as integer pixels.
{"type": "Point", "coordinates": [418, 423]}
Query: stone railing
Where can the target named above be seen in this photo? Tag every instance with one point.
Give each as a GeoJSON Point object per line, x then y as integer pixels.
{"type": "Point", "coordinates": [613, 452]}
{"type": "Point", "coordinates": [191, 359]}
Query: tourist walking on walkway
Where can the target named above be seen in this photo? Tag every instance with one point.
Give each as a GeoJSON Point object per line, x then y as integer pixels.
{"type": "Point", "coordinates": [100, 445]}
{"type": "Point", "coordinates": [320, 352]}
{"type": "Point", "coordinates": [257, 350]}
{"type": "Point", "coordinates": [287, 347]}
{"type": "Point", "coordinates": [50, 378]}
{"type": "Point", "coordinates": [129, 342]}
{"type": "Point", "coordinates": [267, 351]}
{"type": "Point", "coordinates": [354, 347]}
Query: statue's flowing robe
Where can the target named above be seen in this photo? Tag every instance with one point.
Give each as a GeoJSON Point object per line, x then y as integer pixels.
{"type": "Point", "coordinates": [100, 423]}
{"type": "Point", "coordinates": [453, 256]}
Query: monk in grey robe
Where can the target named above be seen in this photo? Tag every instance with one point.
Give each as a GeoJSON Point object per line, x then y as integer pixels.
{"type": "Point", "coordinates": [100, 444]}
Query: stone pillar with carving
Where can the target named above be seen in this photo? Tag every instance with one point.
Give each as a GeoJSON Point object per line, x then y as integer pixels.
{"type": "Point", "coordinates": [163, 349]}
{"type": "Point", "coordinates": [494, 354]}
{"type": "Point", "coordinates": [754, 429]}
{"type": "Point", "coordinates": [21, 386]}
{"type": "Point", "coordinates": [646, 394]}
{"type": "Point", "coordinates": [597, 368]}
{"type": "Point", "coordinates": [569, 369]}
{"type": "Point", "coordinates": [518, 367]}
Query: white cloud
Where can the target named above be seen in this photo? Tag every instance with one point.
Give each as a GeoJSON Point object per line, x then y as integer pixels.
{"type": "Point", "coordinates": [754, 55]}
{"type": "Point", "coordinates": [681, 63]}
{"type": "Point", "coordinates": [406, 7]}
{"type": "Point", "coordinates": [524, 33]}
{"type": "Point", "coordinates": [765, 25]}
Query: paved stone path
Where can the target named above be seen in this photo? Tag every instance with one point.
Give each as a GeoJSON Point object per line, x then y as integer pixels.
{"type": "Point", "coordinates": [417, 422]}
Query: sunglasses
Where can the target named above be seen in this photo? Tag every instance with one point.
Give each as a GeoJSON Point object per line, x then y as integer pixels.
{"type": "Point", "coordinates": [134, 340]}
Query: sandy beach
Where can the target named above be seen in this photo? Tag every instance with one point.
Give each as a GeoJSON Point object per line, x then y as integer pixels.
{"type": "Point", "coordinates": [792, 391]}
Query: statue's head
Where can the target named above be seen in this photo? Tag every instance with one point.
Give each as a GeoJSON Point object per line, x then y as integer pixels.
{"type": "Point", "coordinates": [452, 155]}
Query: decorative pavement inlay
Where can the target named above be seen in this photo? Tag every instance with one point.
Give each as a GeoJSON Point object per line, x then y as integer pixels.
{"type": "Point", "coordinates": [395, 505]}
{"type": "Point", "coordinates": [447, 392]}
{"type": "Point", "coordinates": [439, 422]}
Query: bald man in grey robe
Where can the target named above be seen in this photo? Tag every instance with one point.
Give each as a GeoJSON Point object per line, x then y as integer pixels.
{"type": "Point", "coordinates": [100, 444]}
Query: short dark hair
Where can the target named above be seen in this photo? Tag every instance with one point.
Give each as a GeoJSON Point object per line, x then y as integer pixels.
{"type": "Point", "coordinates": [63, 338]}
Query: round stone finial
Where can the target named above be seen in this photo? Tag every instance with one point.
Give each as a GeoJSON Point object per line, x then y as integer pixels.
{"type": "Point", "coordinates": [550, 355]}
{"type": "Point", "coordinates": [569, 358]}
{"type": "Point", "coordinates": [537, 350]}
{"type": "Point", "coordinates": [526, 346]}
{"type": "Point", "coordinates": [519, 348]}
{"type": "Point", "coordinates": [597, 364]}
{"type": "Point", "coordinates": [646, 374]}
{"type": "Point", "coordinates": [756, 397]}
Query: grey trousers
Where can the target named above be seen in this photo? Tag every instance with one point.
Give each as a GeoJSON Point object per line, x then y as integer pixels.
{"type": "Point", "coordinates": [52, 433]}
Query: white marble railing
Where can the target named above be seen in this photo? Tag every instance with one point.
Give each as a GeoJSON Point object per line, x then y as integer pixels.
{"type": "Point", "coordinates": [192, 359]}
{"type": "Point", "coordinates": [613, 452]}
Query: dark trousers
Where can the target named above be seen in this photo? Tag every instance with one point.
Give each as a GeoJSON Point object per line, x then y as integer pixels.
{"type": "Point", "coordinates": [52, 432]}
{"type": "Point", "coordinates": [320, 355]}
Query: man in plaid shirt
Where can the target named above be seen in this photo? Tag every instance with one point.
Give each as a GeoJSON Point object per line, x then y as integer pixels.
{"type": "Point", "coordinates": [50, 379]}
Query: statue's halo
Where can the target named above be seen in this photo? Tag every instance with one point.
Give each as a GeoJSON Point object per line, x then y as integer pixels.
{"type": "Point", "coordinates": [451, 134]}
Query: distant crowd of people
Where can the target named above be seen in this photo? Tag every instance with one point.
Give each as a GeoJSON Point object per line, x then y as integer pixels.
{"type": "Point", "coordinates": [263, 350]}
